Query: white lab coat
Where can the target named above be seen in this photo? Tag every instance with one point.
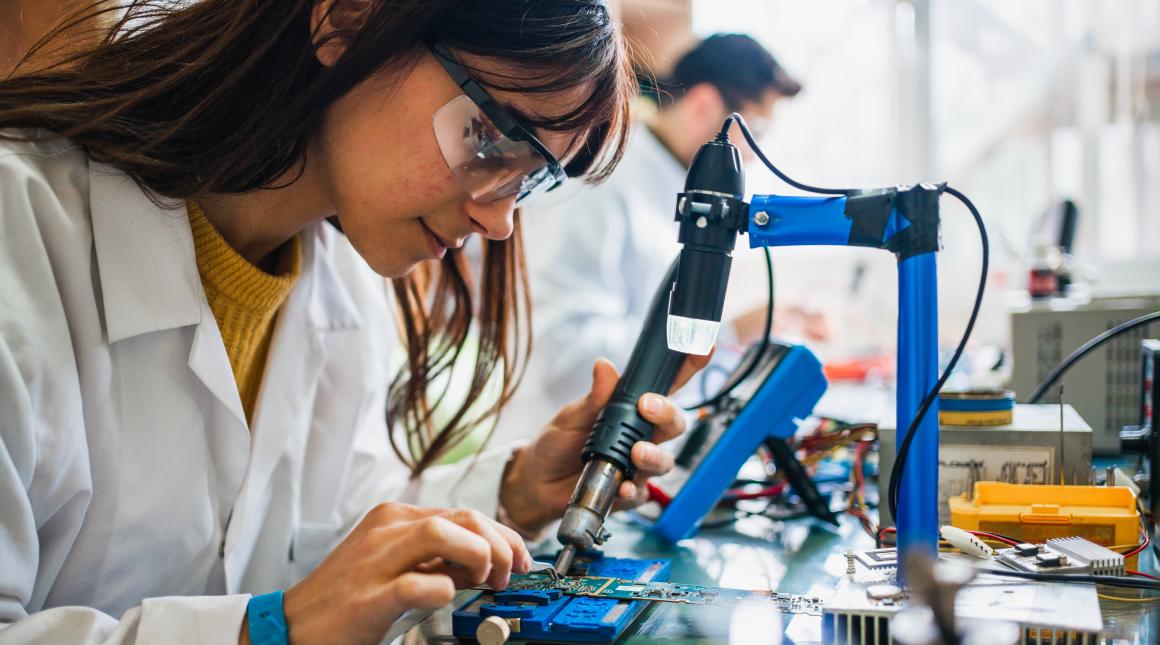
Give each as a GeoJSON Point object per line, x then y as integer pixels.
{"type": "Point", "coordinates": [136, 503]}
{"type": "Point", "coordinates": [595, 257]}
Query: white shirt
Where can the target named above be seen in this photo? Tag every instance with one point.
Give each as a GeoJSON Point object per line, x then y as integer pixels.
{"type": "Point", "coordinates": [136, 503]}
{"type": "Point", "coordinates": [596, 255]}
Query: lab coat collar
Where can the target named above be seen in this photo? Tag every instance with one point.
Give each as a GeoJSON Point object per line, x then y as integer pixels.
{"type": "Point", "coordinates": [331, 307]}
{"type": "Point", "coordinates": [149, 278]}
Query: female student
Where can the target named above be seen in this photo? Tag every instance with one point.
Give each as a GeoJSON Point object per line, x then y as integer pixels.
{"type": "Point", "coordinates": [197, 407]}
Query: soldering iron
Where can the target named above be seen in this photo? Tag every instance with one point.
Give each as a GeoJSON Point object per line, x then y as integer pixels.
{"type": "Point", "coordinates": [681, 321]}
{"type": "Point", "coordinates": [685, 316]}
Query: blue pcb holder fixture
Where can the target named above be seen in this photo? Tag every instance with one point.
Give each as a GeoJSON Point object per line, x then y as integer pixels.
{"type": "Point", "coordinates": [905, 221]}
{"type": "Point", "coordinates": [551, 616]}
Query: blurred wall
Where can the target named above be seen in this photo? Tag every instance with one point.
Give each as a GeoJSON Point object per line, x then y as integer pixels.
{"type": "Point", "coordinates": [658, 31]}
{"type": "Point", "coordinates": [24, 22]}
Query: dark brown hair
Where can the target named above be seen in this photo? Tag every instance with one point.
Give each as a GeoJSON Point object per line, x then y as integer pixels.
{"type": "Point", "coordinates": [223, 96]}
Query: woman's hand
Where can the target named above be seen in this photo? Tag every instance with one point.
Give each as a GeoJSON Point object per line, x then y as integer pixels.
{"type": "Point", "coordinates": [399, 557]}
{"type": "Point", "coordinates": [541, 477]}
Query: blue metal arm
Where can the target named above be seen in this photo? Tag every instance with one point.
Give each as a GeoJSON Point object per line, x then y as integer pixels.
{"type": "Point", "coordinates": [778, 220]}
{"type": "Point", "coordinates": [904, 221]}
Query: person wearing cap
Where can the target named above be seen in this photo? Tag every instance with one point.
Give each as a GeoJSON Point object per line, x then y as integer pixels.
{"type": "Point", "coordinates": [597, 254]}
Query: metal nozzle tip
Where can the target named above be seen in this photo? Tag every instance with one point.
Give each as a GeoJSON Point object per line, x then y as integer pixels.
{"type": "Point", "coordinates": [564, 561]}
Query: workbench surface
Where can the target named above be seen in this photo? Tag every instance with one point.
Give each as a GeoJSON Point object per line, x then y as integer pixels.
{"type": "Point", "coordinates": [796, 556]}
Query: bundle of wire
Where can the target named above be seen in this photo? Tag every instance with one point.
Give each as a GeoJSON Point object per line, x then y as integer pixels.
{"type": "Point", "coordinates": [858, 506]}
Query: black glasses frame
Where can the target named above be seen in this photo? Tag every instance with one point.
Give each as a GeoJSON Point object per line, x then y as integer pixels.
{"type": "Point", "coordinates": [507, 124]}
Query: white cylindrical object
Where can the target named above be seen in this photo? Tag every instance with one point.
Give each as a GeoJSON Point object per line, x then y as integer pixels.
{"type": "Point", "coordinates": [493, 631]}
{"type": "Point", "coordinates": [965, 542]}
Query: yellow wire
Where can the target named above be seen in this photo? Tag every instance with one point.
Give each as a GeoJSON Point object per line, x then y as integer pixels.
{"type": "Point", "coordinates": [1122, 599]}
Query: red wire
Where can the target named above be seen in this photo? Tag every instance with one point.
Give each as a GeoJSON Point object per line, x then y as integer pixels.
{"type": "Point", "coordinates": [1140, 547]}
{"type": "Point", "coordinates": [658, 495]}
{"type": "Point", "coordinates": [994, 536]}
{"type": "Point", "coordinates": [1141, 574]}
{"type": "Point", "coordinates": [991, 536]}
{"type": "Point", "coordinates": [769, 491]}
{"type": "Point", "coordinates": [655, 494]}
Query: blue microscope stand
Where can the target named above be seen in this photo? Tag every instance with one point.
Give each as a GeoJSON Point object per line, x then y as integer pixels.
{"type": "Point", "coordinates": [904, 221]}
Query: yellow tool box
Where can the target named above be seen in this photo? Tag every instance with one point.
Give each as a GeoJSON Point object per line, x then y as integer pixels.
{"type": "Point", "coordinates": [1105, 515]}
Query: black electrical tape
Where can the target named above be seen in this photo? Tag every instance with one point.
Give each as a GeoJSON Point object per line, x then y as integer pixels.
{"type": "Point", "coordinates": [917, 204]}
{"type": "Point", "coordinates": [869, 215]}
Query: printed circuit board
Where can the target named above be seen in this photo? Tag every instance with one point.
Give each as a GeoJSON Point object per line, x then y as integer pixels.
{"type": "Point", "coordinates": [615, 588]}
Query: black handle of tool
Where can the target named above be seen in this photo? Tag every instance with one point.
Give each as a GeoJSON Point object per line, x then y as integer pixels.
{"type": "Point", "coordinates": [799, 480]}
{"type": "Point", "coordinates": [653, 367]}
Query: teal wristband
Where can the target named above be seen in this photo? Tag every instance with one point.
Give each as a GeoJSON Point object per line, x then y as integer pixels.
{"type": "Point", "coordinates": [268, 620]}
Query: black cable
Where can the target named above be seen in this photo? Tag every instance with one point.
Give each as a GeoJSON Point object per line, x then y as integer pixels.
{"type": "Point", "coordinates": [904, 446]}
{"type": "Point", "coordinates": [1086, 348]}
{"type": "Point", "coordinates": [712, 368]}
{"type": "Point", "coordinates": [1111, 581]}
{"type": "Point", "coordinates": [747, 371]}
{"type": "Point", "coordinates": [723, 135]}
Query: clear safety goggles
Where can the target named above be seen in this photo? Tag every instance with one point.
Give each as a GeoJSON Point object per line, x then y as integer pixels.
{"type": "Point", "coordinates": [490, 154]}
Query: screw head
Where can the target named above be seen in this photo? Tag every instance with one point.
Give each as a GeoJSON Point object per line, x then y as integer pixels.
{"type": "Point", "coordinates": [761, 218]}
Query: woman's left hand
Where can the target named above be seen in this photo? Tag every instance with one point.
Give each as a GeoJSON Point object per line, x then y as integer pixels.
{"type": "Point", "coordinates": [541, 477]}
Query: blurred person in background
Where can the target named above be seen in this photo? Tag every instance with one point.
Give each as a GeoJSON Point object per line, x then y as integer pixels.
{"type": "Point", "coordinates": [596, 255]}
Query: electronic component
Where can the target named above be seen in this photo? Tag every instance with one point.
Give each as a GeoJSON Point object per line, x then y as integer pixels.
{"type": "Point", "coordinates": [885, 592]}
{"type": "Point", "coordinates": [1026, 451]}
{"type": "Point", "coordinates": [1105, 388]}
{"type": "Point", "coordinates": [860, 614]}
{"type": "Point", "coordinates": [599, 587]}
{"type": "Point", "coordinates": [878, 559]}
{"type": "Point", "coordinates": [965, 542]}
{"type": "Point", "coordinates": [1025, 549]}
{"type": "Point", "coordinates": [1064, 555]}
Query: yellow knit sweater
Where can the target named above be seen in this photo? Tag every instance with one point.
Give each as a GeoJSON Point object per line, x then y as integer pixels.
{"type": "Point", "coordinates": [244, 300]}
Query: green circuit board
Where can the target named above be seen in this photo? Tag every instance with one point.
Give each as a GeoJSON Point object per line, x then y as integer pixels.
{"type": "Point", "coordinates": [614, 588]}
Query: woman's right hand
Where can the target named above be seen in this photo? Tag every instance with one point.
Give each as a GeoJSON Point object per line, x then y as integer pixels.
{"type": "Point", "coordinates": [400, 557]}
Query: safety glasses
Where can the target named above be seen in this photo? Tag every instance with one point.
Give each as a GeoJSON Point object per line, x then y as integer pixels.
{"type": "Point", "coordinates": [491, 155]}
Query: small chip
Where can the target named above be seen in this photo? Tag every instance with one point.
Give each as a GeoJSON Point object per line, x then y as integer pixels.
{"type": "Point", "coordinates": [1025, 549]}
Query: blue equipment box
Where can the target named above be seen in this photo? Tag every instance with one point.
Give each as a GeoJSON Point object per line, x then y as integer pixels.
{"type": "Point", "coordinates": [787, 393]}
{"type": "Point", "coordinates": [548, 615]}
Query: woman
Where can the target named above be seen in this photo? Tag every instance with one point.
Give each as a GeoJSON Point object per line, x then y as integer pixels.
{"type": "Point", "coordinates": [194, 364]}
